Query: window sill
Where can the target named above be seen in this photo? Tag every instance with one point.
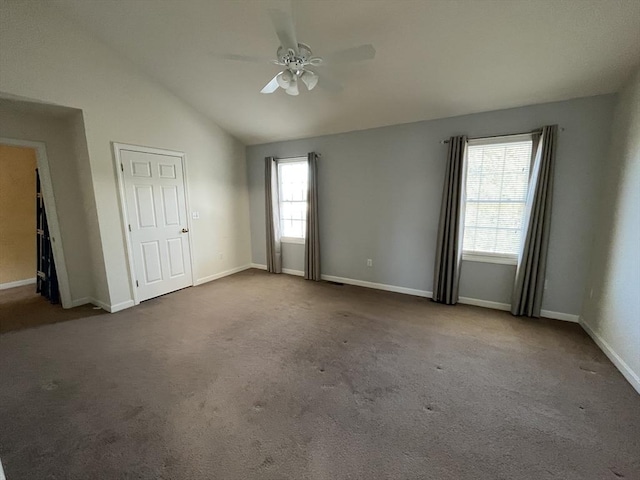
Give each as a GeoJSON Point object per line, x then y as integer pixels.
{"type": "Point", "coordinates": [295, 240]}
{"type": "Point", "coordinates": [488, 258]}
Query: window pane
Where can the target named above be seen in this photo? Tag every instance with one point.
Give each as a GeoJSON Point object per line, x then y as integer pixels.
{"type": "Point", "coordinates": [293, 228]}
{"type": "Point", "coordinates": [285, 210]}
{"type": "Point", "coordinates": [471, 214]}
{"type": "Point", "coordinates": [469, 238]}
{"type": "Point", "coordinates": [511, 215]}
{"type": "Point", "coordinates": [299, 210]}
{"type": "Point", "coordinates": [496, 191]}
{"type": "Point", "coordinates": [508, 241]}
{"type": "Point", "coordinates": [293, 198]}
{"type": "Point", "coordinates": [485, 240]}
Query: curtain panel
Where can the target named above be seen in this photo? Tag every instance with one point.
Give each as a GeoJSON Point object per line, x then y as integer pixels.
{"type": "Point", "coordinates": [272, 206]}
{"type": "Point", "coordinates": [312, 238]}
{"type": "Point", "coordinates": [532, 261]}
{"type": "Point", "coordinates": [448, 259]}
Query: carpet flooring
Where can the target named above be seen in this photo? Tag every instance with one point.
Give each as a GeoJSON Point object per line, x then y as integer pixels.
{"type": "Point", "coordinates": [259, 376]}
{"type": "Point", "coordinates": [22, 307]}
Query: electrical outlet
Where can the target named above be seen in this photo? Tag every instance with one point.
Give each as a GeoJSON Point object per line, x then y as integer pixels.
{"type": "Point", "coordinates": [369, 262]}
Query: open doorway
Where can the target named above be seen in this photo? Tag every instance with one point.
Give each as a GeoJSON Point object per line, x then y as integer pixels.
{"type": "Point", "coordinates": [30, 292]}
{"type": "Point", "coordinates": [57, 135]}
{"type": "Point", "coordinates": [18, 198]}
{"type": "Point", "coordinates": [29, 288]}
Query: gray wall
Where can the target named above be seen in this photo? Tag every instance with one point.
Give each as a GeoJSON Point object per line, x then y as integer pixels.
{"type": "Point", "coordinates": [612, 303]}
{"type": "Point", "coordinates": [380, 192]}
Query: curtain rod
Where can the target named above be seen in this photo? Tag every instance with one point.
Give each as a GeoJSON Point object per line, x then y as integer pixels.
{"type": "Point", "coordinates": [503, 135]}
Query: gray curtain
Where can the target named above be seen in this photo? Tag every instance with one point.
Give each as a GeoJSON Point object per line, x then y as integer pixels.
{"type": "Point", "coordinates": [450, 229]}
{"type": "Point", "coordinates": [532, 261]}
{"type": "Point", "coordinates": [312, 238]}
{"type": "Point", "coordinates": [272, 204]}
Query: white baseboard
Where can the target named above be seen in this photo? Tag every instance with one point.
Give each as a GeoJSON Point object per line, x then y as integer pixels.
{"type": "Point", "coordinates": [287, 271]}
{"type": "Point", "coordinates": [352, 281]}
{"type": "Point", "coordinates": [18, 283]}
{"type": "Point", "coordinates": [226, 273]}
{"type": "Point", "coordinates": [377, 286]}
{"type": "Point", "coordinates": [565, 317]}
{"type": "Point", "coordinates": [100, 304]}
{"type": "Point", "coordinates": [119, 306]}
{"type": "Point", "coordinates": [632, 377]}
{"type": "Point", "coordinates": [112, 308]}
{"type": "Point", "coordinates": [80, 301]}
{"type": "Point", "coordinates": [357, 283]}
{"type": "Point", "coordinates": [484, 303]}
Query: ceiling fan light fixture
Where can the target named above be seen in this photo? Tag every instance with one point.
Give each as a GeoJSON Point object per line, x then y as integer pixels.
{"type": "Point", "coordinates": [293, 87]}
{"type": "Point", "coordinates": [284, 79]}
{"type": "Point", "coordinates": [310, 79]}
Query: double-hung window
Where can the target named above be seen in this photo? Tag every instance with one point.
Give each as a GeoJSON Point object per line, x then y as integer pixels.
{"type": "Point", "coordinates": [496, 194]}
{"type": "Point", "coordinates": [292, 178]}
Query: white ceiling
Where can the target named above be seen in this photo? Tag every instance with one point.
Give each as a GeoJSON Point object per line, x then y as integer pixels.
{"type": "Point", "coordinates": [435, 58]}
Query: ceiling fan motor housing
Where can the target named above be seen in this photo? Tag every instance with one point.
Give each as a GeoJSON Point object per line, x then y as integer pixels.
{"type": "Point", "coordinates": [297, 61]}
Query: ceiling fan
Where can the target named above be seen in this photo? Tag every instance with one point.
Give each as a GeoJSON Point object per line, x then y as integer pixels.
{"type": "Point", "coordinates": [298, 60]}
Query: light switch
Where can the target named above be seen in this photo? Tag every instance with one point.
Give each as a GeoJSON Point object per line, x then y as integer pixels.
{"type": "Point", "coordinates": [195, 215]}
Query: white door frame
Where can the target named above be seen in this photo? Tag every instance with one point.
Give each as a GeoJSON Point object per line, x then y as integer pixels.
{"type": "Point", "coordinates": [52, 214]}
{"type": "Point", "coordinates": [117, 159]}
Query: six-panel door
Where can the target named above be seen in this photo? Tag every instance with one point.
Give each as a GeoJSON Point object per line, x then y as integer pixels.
{"type": "Point", "coordinates": [157, 215]}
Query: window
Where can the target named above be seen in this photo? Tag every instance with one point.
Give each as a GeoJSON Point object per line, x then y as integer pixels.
{"type": "Point", "coordinates": [292, 175]}
{"type": "Point", "coordinates": [496, 194]}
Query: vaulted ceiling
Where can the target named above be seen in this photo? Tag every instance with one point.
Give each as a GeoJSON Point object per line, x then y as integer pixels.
{"type": "Point", "coordinates": [435, 58]}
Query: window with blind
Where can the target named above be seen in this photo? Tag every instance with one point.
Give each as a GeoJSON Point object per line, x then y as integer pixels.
{"type": "Point", "coordinates": [496, 194]}
{"type": "Point", "coordinates": [292, 175]}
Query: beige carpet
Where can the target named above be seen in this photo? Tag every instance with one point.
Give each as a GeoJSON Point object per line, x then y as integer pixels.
{"type": "Point", "coordinates": [259, 376]}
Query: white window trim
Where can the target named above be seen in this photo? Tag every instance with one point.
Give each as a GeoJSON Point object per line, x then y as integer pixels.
{"type": "Point", "coordinates": [487, 257]}
{"type": "Point", "coordinates": [296, 240]}
{"type": "Point", "coordinates": [291, 160]}
{"type": "Point", "coordinates": [291, 240]}
{"type": "Point", "coordinates": [520, 137]}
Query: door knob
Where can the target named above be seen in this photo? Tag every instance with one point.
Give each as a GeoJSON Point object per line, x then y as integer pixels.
{"type": "Point", "coordinates": [185, 230]}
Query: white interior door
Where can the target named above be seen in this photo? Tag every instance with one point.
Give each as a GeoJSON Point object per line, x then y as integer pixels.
{"type": "Point", "coordinates": [157, 215]}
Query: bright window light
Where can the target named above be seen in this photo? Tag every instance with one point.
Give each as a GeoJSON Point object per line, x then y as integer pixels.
{"type": "Point", "coordinates": [293, 199]}
{"type": "Point", "coordinates": [496, 193]}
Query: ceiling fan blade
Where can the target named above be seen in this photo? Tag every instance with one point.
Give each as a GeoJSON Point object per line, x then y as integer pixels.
{"type": "Point", "coordinates": [285, 29]}
{"type": "Point", "coordinates": [272, 86]}
{"type": "Point", "coordinates": [243, 58]}
{"type": "Point", "coordinates": [355, 54]}
{"type": "Point", "coordinates": [326, 82]}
